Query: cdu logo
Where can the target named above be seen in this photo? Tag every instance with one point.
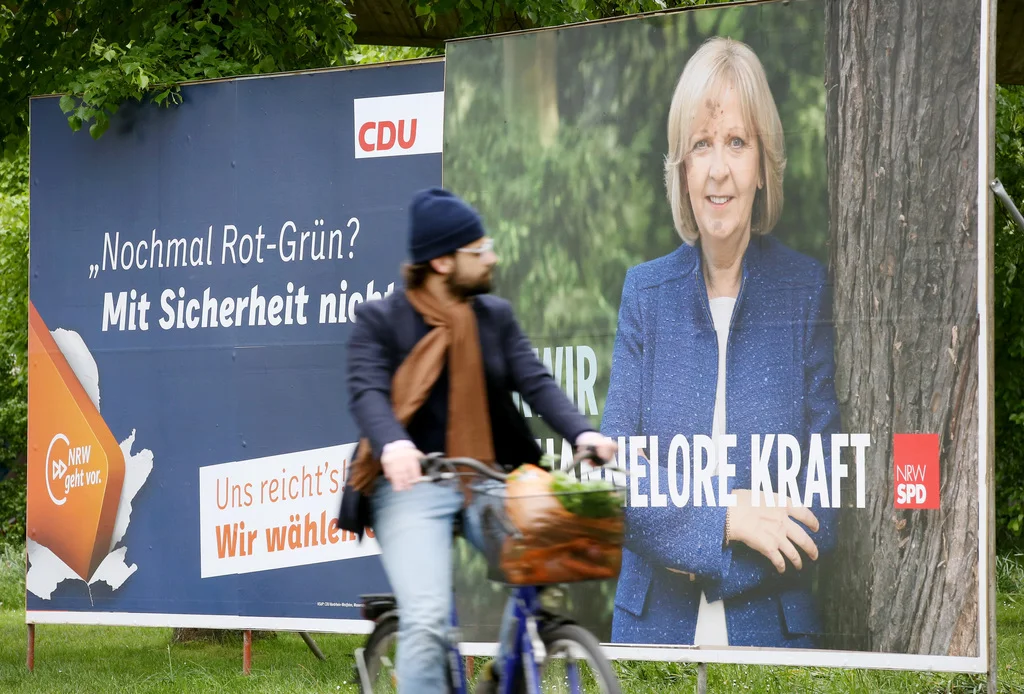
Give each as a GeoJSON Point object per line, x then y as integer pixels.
{"type": "Point", "coordinates": [391, 126]}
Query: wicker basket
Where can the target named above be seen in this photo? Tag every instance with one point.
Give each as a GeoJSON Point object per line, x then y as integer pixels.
{"type": "Point", "coordinates": [531, 538]}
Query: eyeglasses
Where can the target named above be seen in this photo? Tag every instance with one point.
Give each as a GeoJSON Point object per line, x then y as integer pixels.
{"type": "Point", "coordinates": [487, 245]}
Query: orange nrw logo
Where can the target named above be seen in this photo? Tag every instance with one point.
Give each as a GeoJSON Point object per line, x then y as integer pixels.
{"type": "Point", "coordinates": [76, 468]}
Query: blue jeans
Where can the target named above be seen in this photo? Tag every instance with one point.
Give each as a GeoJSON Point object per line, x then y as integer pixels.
{"type": "Point", "coordinates": [414, 529]}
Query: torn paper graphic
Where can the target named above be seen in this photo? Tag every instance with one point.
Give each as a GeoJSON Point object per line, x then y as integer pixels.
{"type": "Point", "coordinates": [50, 565]}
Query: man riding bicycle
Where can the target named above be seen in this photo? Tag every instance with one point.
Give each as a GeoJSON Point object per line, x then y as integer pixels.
{"type": "Point", "coordinates": [432, 369]}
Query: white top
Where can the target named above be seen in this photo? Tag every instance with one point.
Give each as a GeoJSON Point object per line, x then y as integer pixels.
{"type": "Point", "coordinates": [711, 626]}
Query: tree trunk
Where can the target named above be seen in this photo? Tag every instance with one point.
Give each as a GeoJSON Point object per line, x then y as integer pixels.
{"type": "Point", "coordinates": [531, 84]}
{"type": "Point", "coordinates": [902, 131]}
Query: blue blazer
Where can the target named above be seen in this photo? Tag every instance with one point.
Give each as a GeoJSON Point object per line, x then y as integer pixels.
{"type": "Point", "coordinates": [779, 380]}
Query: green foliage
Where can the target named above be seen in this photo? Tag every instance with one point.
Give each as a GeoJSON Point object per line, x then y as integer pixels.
{"type": "Point", "coordinates": [365, 55]}
{"type": "Point", "coordinates": [12, 508]}
{"type": "Point", "coordinates": [489, 16]}
{"type": "Point", "coordinates": [1010, 573]}
{"type": "Point", "coordinates": [102, 53]}
{"type": "Point", "coordinates": [12, 577]}
{"type": "Point", "coordinates": [13, 344]}
{"type": "Point", "coordinates": [1008, 287]}
{"type": "Point", "coordinates": [14, 263]}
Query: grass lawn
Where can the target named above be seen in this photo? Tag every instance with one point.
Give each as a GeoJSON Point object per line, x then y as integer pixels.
{"type": "Point", "coordinates": [127, 659]}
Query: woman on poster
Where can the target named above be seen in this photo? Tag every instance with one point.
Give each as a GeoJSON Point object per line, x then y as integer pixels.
{"type": "Point", "coordinates": [729, 334]}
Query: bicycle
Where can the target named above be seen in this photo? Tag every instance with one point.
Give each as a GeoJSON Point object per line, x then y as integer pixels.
{"type": "Point", "coordinates": [550, 649]}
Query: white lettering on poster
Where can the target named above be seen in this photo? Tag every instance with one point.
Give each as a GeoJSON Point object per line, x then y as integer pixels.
{"type": "Point", "coordinates": [699, 472]}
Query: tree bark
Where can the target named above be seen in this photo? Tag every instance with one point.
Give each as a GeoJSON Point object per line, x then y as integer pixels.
{"type": "Point", "coordinates": [902, 133]}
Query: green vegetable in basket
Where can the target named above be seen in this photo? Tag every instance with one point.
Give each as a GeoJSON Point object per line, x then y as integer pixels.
{"type": "Point", "coordinates": [548, 462]}
{"type": "Point", "coordinates": [591, 499]}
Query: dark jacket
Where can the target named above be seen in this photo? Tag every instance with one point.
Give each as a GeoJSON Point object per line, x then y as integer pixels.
{"type": "Point", "coordinates": [385, 333]}
{"type": "Point", "coordinates": [779, 380]}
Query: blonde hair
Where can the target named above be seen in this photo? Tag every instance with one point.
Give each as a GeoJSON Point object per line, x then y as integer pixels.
{"type": "Point", "coordinates": [718, 62]}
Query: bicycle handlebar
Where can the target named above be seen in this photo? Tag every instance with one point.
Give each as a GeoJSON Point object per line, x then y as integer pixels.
{"type": "Point", "coordinates": [434, 468]}
{"type": "Point", "coordinates": [437, 467]}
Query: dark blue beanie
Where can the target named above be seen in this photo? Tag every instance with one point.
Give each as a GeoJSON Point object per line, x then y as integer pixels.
{"type": "Point", "coordinates": [440, 223]}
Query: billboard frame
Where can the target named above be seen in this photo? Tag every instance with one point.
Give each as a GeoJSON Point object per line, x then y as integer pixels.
{"type": "Point", "coordinates": [245, 623]}
{"type": "Point", "coordinates": [985, 661]}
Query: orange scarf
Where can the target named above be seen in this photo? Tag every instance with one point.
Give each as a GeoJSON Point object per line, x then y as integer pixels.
{"type": "Point", "coordinates": [454, 335]}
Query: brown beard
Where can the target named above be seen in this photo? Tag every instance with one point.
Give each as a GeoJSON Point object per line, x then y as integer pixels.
{"type": "Point", "coordinates": [464, 289]}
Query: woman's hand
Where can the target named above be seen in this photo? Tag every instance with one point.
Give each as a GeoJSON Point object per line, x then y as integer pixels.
{"type": "Point", "coordinates": [772, 530]}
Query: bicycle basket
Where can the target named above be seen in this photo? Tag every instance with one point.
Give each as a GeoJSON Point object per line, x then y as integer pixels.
{"type": "Point", "coordinates": [541, 529]}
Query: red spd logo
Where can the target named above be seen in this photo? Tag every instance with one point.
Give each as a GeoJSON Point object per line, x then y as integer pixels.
{"type": "Point", "coordinates": [390, 126]}
{"type": "Point", "coordinates": [916, 470]}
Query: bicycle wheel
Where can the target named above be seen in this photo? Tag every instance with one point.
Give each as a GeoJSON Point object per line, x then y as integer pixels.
{"type": "Point", "coordinates": [379, 655]}
{"type": "Point", "coordinates": [575, 663]}
{"type": "Point", "coordinates": [486, 685]}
